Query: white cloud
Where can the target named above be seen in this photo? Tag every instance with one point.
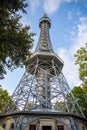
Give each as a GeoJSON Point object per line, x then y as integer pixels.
{"type": "Point", "coordinates": [70, 15]}
{"type": "Point", "coordinates": [51, 6]}
{"type": "Point", "coordinates": [81, 37]}
{"type": "Point", "coordinates": [70, 70]}
{"type": "Point", "coordinates": [70, 1]}
{"type": "Point", "coordinates": [78, 12]}
{"type": "Point", "coordinates": [34, 4]}
{"type": "Point", "coordinates": [25, 21]}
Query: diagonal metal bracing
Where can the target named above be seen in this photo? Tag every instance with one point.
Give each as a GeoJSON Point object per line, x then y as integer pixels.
{"type": "Point", "coordinates": [43, 91]}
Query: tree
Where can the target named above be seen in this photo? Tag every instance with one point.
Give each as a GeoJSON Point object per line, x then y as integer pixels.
{"type": "Point", "coordinates": [81, 91]}
{"type": "Point", "coordinates": [60, 106]}
{"type": "Point", "coordinates": [81, 60]}
{"type": "Point", "coordinates": [4, 97]}
{"type": "Point", "coordinates": [15, 40]}
{"type": "Point", "coordinates": [81, 95]}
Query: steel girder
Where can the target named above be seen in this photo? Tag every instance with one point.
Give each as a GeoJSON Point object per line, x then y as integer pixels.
{"type": "Point", "coordinates": [42, 87]}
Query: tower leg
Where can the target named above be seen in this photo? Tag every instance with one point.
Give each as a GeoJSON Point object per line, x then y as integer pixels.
{"type": "Point", "coordinates": [73, 124]}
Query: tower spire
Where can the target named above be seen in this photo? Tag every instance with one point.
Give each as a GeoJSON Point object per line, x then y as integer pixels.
{"type": "Point", "coordinates": [44, 43]}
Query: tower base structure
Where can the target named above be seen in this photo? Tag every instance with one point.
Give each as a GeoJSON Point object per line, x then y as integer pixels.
{"type": "Point", "coordinates": [45, 120]}
{"type": "Point", "coordinates": [43, 99]}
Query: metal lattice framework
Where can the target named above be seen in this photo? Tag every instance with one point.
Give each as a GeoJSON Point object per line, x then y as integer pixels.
{"type": "Point", "coordinates": [44, 43]}
{"type": "Point", "coordinates": [43, 91]}
{"type": "Point", "coordinates": [42, 87]}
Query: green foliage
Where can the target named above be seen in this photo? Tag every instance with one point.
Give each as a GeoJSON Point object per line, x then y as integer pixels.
{"type": "Point", "coordinates": [15, 40]}
{"type": "Point", "coordinates": [4, 97]}
{"type": "Point", "coordinates": [80, 93]}
{"type": "Point", "coordinates": [81, 60]}
{"type": "Point", "coordinates": [60, 106]}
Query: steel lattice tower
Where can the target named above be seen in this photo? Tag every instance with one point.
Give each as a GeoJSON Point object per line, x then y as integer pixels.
{"type": "Point", "coordinates": [43, 87]}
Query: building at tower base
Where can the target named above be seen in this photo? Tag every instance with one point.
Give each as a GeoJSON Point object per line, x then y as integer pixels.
{"type": "Point", "coordinates": [46, 123]}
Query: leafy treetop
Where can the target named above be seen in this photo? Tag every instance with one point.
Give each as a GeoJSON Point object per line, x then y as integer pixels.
{"type": "Point", "coordinates": [81, 60]}
{"type": "Point", "coordinates": [4, 97]}
{"type": "Point", "coordinates": [15, 39]}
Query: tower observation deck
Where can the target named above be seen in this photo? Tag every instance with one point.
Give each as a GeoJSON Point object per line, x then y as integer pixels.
{"type": "Point", "coordinates": [43, 91]}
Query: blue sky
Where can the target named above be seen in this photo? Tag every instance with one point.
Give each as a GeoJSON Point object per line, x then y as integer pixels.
{"type": "Point", "coordinates": [68, 33]}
